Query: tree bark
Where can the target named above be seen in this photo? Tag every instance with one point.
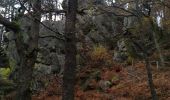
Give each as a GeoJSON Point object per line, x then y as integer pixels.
{"type": "Point", "coordinates": [70, 49]}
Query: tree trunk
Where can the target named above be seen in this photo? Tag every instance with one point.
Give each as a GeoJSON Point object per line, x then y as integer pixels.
{"type": "Point", "coordinates": [159, 50]}
{"type": "Point", "coordinates": [28, 56]}
{"type": "Point", "coordinates": [70, 49]}
{"type": "Point", "coordinates": [149, 71]}
{"type": "Point", "coordinates": [157, 43]}
{"type": "Point", "coordinates": [150, 80]}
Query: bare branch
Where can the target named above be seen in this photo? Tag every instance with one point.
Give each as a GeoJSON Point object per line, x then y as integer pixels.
{"type": "Point", "coordinates": [112, 9]}
{"type": "Point", "coordinates": [53, 11]}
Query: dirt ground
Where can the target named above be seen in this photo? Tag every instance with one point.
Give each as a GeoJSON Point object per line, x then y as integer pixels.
{"type": "Point", "coordinates": [130, 84]}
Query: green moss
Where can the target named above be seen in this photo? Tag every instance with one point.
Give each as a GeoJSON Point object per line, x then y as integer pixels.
{"type": "Point", "coordinates": [17, 25]}
{"type": "Point", "coordinates": [4, 72]}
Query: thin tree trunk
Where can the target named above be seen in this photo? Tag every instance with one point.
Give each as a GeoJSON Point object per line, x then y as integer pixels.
{"type": "Point", "coordinates": [154, 28]}
{"type": "Point", "coordinates": [149, 72]}
{"type": "Point", "coordinates": [150, 80]}
{"type": "Point", "coordinates": [159, 50]}
{"type": "Point", "coordinates": [70, 49]}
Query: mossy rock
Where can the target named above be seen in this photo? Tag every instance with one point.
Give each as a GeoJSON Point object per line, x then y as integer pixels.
{"type": "Point", "coordinates": [95, 76]}
{"type": "Point", "coordinates": [5, 84]}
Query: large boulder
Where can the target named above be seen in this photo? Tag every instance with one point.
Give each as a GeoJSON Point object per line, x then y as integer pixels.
{"type": "Point", "coordinates": [50, 47]}
{"type": "Point", "coordinates": [51, 54]}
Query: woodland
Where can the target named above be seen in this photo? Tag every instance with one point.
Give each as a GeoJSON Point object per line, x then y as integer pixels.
{"type": "Point", "coordinates": [84, 49]}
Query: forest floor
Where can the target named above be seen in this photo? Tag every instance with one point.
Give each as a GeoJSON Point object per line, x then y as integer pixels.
{"type": "Point", "coordinates": [125, 83]}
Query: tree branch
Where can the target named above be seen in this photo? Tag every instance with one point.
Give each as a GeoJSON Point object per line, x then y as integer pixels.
{"type": "Point", "coordinates": [53, 11]}
{"type": "Point", "coordinates": [11, 25]}
{"type": "Point", "coordinates": [113, 9]}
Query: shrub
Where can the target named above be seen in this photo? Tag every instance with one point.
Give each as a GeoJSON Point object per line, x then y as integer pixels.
{"type": "Point", "coordinates": [100, 56]}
